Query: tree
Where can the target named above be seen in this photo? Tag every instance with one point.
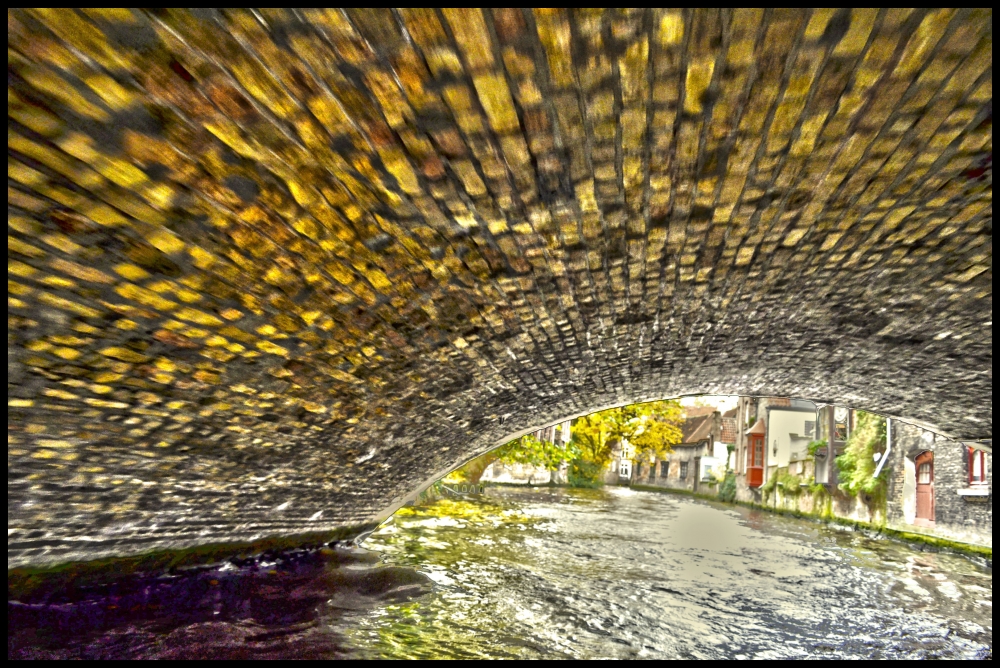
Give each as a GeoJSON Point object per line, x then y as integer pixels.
{"type": "Point", "coordinates": [594, 438]}
{"type": "Point", "coordinates": [654, 428]}
{"type": "Point", "coordinates": [533, 451]}
{"type": "Point", "coordinates": [651, 428]}
{"type": "Point", "coordinates": [524, 450]}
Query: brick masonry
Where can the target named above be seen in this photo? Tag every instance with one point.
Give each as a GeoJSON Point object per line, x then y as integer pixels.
{"type": "Point", "coordinates": [963, 518]}
{"type": "Point", "coordinates": [966, 518]}
{"type": "Point", "coordinates": [269, 271]}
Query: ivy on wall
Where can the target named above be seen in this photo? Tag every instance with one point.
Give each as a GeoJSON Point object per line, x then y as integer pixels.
{"type": "Point", "coordinates": [815, 446]}
{"type": "Point", "coordinates": [791, 485]}
{"type": "Point", "coordinates": [857, 464]}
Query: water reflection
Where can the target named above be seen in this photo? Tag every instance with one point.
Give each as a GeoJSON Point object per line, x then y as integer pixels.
{"type": "Point", "coordinates": [544, 573]}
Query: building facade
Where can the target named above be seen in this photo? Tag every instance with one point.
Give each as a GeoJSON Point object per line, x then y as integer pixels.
{"type": "Point", "coordinates": [938, 486]}
{"type": "Point", "coordinates": [695, 462]}
{"type": "Point", "coordinates": [772, 433]}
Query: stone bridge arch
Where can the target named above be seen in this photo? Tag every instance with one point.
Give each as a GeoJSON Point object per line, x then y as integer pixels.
{"type": "Point", "coordinates": [270, 270]}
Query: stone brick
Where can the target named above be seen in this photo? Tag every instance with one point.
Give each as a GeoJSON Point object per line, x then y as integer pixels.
{"type": "Point", "coordinates": [310, 260]}
{"type": "Point", "coordinates": [963, 518]}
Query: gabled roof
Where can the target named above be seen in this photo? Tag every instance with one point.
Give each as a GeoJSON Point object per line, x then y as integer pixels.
{"type": "Point", "coordinates": [696, 429]}
{"type": "Point", "coordinates": [730, 413]}
{"type": "Point", "coordinates": [698, 411]}
{"type": "Point", "coordinates": [758, 427]}
{"type": "Point", "coordinates": [728, 429]}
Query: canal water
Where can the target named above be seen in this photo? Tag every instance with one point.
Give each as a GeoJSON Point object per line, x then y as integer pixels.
{"type": "Point", "coordinates": [539, 573]}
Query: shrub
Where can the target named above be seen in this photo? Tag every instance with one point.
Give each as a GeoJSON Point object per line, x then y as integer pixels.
{"type": "Point", "coordinates": [818, 489]}
{"type": "Point", "coordinates": [816, 446]}
{"type": "Point", "coordinates": [767, 489]}
{"type": "Point", "coordinates": [791, 485]}
{"type": "Point", "coordinates": [584, 474]}
{"type": "Point", "coordinates": [857, 464]}
{"type": "Point", "coordinates": [727, 490]}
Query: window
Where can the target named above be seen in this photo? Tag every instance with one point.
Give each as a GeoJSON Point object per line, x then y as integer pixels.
{"type": "Point", "coordinates": [664, 467]}
{"type": "Point", "coordinates": [924, 474]}
{"type": "Point", "coordinates": [977, 467]}
{"type": "Point", "coordinates": [684, 470]}
{"type": "Point", "coordinates": [841, 424]}
{"type": "Point", "coordinates": [810, 428]}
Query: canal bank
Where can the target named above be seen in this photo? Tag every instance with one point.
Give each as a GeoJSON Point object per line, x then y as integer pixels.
{"type": "Point", "coordinates": [917, 540]}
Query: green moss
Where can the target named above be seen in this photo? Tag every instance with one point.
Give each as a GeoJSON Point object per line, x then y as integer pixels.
{"type": "Point", "coordinates": [826, 516]}
{"type": "Point", "coordinates": [939, 543]}
{"type": "Point", "coordinates": [822, 500]}
{"type": "Point", "coordinates": [923, 540]}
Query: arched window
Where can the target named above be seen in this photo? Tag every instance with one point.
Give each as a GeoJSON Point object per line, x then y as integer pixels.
{"type": "Point", "coordinates": [977, 467]}
{"type": "Point", "coordinates": [924, 473]}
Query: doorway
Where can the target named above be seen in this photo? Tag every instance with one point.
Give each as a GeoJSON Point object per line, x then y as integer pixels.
{"type": "Point", "coordinates": [924, 464]}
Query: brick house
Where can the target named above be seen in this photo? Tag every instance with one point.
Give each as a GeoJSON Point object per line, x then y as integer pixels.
{"type": "Point", "coordinates": [689, 465]}
{"type": "Point", "coordinates": [938, 486]}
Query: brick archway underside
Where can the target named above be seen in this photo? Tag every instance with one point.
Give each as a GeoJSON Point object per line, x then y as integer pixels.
{"type": "Point", "coordinates": [268, 271]}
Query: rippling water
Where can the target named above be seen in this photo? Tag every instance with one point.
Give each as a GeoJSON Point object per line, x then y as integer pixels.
{"type": "Point", "coordinates": [544, 573]}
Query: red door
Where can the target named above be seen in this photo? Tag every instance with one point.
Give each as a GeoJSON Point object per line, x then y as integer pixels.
{"type": "Point", "coordinates": [755, 470]}
{"type": "Point", "coordinates": [925, 488]}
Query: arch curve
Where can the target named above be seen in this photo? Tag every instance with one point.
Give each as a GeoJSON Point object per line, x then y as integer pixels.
{"type": "Point", "coordinates": [268, 271]}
